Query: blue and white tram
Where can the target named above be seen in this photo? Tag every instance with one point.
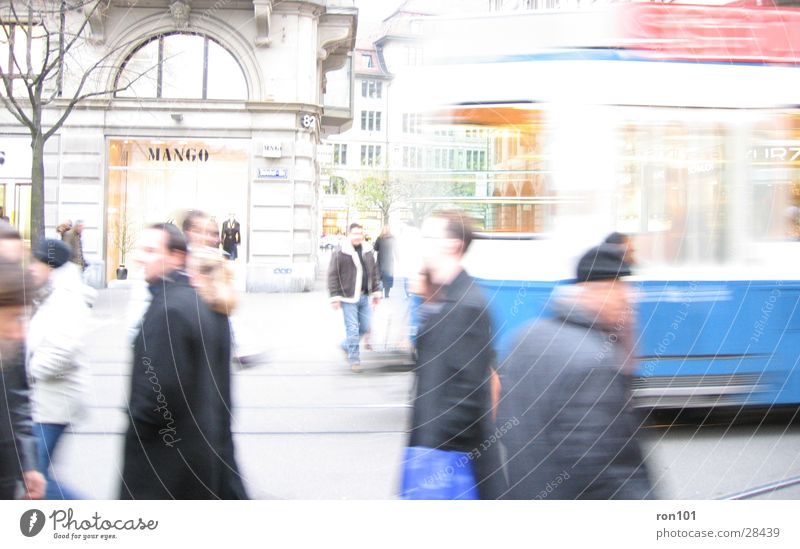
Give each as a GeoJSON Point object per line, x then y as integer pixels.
{"type": "Point", "coordinates": [696, 158]}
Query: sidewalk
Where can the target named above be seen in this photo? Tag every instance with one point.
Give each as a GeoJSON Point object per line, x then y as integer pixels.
{"type": "Point", "coordinates": [304, 425]}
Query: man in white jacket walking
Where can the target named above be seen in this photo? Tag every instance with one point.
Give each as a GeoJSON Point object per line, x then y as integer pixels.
{"type": "Point", "coordinates": [55, 340]}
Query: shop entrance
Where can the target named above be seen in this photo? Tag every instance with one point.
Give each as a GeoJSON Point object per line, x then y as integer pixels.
{"type": "Point", "coordinates": [152, 181]}
{"type": "Point", "coordinates": [22, 210]}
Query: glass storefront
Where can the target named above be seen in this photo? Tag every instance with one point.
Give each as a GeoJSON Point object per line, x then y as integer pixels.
{"type": "Point", "coordinates": [21, 216]}
{"type": "Point", "coordinates": [15, 182]}
{"type": "Point", "coordinates": [156, 180]}
{"type": "Point", "coordinates": [334, 222]}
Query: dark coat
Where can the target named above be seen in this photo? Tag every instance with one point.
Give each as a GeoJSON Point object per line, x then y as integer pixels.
{"type": "Point", "coordinates": [384, 245]}
{"type": "Point", "coordinates": [345, 273]}
{"type": "Point", "coordinates": [179, 443]}
{"type": "Point", "coordinates": [452, 404]}
{"type": "Point", "coordinates": [17, 442]}
{"type": "Point", "coordinates": [575, 435]}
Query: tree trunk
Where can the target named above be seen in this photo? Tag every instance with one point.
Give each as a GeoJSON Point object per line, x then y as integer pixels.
{"type": "Point", "coordinates": [37, 188]}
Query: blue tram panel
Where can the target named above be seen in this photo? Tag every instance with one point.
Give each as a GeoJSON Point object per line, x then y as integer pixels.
{"type": "Point", "coordinates": [700, 343]}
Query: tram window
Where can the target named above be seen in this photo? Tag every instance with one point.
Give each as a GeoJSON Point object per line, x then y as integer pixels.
{"type": "Point", "coordinates": [775, 174]}
{"type": "Point", "coordinates": [672, 192]}
{"type": "Point", "coordinates": [776, 209]}
{"type": "Point", "coordinates": [494, 169]}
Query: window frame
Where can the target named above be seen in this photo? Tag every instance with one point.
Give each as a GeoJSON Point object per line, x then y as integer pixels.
{"type": "Point", "coordinates": [159, 95]}
{"type": "Point", "coordinates": [37, 61]}
{"type": "Point", "coordinates": [371, 155]}
{"type": "Point", "coordinates": [371, 121]}
{"type": "Point", "coordinates": [340, 154]}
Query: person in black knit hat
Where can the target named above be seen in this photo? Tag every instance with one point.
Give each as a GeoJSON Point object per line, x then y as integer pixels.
{"type": "Point", "coordinates": [565, 385]}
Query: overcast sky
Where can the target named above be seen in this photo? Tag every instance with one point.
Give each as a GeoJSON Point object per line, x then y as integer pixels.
{"type": "Point", "coordinates": [374, 11]}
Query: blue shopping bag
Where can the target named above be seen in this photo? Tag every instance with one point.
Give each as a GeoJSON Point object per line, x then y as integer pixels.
{"type": "Point", "coordinates": [437, 474]}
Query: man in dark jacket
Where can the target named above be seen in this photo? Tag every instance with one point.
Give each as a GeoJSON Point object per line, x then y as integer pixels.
{"type": "Point", "coordinates": [455, 360]}
{"type": "Point", "coordinates": [575, 433]}
{"type": "Point", "coordinates": [352, 281]}
{"type": "Point", "coordinates": [178, 444]}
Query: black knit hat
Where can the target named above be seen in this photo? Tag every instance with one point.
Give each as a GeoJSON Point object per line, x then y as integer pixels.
{"type": "Point", "coordinates": [603, 262]}
{"type": "Point", "coordinates": [52, 252]}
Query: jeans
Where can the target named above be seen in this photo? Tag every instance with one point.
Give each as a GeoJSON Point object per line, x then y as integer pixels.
{"type": "Point", "coordinates": [356, 324]}
{"type": "Point", "coordinates": [48, 435]}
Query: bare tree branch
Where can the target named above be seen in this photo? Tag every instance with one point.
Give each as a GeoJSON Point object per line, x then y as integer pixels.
{"type": "Point", "coordinates": [13, 107]}
{"type": "Point", "coordinates": [47, 24]}
{"type": "Point", "coordinates": [74, 39]}
{"type": "Point", "coordinates": [78, 98]}
{"type": "Point", "coordinates": [12, 39]}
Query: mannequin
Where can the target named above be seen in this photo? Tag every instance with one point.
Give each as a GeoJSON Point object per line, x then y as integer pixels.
{"type": "Point", "coordinates": [231, 237]}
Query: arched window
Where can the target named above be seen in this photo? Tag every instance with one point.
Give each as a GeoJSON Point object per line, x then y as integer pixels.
{"type": "Point", "coordinates": [181, 66]}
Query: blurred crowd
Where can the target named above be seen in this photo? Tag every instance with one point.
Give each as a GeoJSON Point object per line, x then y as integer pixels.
{"type": "Point", "coordinates": [552, 420]}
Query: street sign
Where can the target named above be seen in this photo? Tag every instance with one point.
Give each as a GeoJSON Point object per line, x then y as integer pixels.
{"type": "Point", "coordinates": [272, 173]}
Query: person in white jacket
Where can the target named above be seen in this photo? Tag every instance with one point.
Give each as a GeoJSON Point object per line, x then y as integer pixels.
{"type": "Point", "coordinates": [56, 332]}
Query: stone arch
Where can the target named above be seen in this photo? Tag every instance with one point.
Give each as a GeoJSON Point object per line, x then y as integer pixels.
{"type": "Point", "coordinates": [147, 28]}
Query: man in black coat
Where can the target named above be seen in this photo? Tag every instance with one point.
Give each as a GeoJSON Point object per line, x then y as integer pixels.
{"type": "Point", "coordinates": [178, 444]}
{"type": "Point", "coordinates": [574, 434]}
{"type": "Point", "coordinates": [455, 359]}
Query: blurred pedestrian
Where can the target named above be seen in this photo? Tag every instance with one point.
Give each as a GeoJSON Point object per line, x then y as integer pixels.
{"type": "Point", "coordinates": [17, 443]}
{"type": "Point", "coordinates": [179, 422]}
{"type": "Point", "coordinates": [74, 239]}
{"type": "Point", "coordinates": [387, 252]}
{"type": "Point", "coordinates": [352, 282]}
{"type": "Point", "coordinates": [211, 275]}
{"type": "Point", "coordinates": [627, 334]}
{"type": "Point", "coordinates": [12, 248]}
{"type": "Point", "coordinates": [451, 424]}
{"type": "Point", "coordinates": [200, 229]}
{"type": "Point", "coordinates": [55, 342]}
{"type": "Point", "coordinates": [625, 242]}
{"type": "Point", "coordinates": [573, 433]}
